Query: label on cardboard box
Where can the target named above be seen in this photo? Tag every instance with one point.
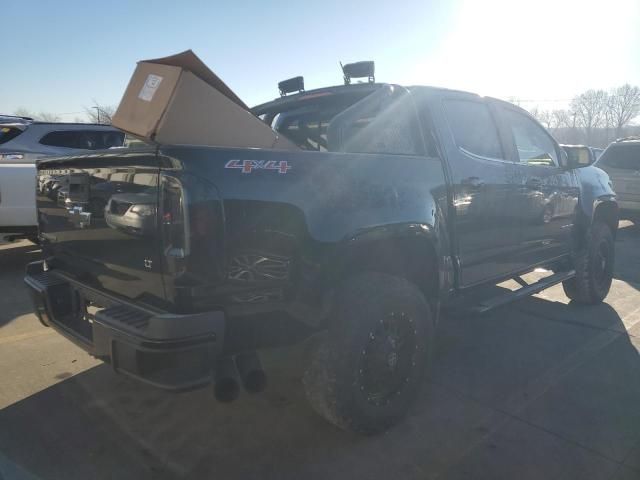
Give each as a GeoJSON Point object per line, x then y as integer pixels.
{"type": "Point", "coordinates": [149, 88]}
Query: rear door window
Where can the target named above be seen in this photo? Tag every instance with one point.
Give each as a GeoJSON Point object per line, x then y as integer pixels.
{"type": "Point", "coordinates": [83, 139]}
{"type": "Point", "coordinates": [473, 128]}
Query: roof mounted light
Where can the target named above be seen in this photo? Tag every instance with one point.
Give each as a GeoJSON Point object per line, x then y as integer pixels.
{"type": "Point", "coordinates": [359, 70]}
{"type": "Point", "coordinates": [295, 84]}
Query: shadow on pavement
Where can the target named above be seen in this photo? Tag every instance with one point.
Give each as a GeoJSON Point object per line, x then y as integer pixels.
{"type": "Point", "coordinates": [628, 254]}
{"type": "Point", "coordinates": [14, 300]}
{"type": "Point", "coordinates": [516, 394]}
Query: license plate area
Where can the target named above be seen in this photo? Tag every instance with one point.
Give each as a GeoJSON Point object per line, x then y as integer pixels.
{"type": "Point", "coordinates": [70, 310]}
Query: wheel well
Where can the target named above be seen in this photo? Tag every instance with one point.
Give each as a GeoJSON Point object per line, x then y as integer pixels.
{"type": "Point", "coordinates": [607, 212]}
{"type": "Point", "coordinates": [411, 258]}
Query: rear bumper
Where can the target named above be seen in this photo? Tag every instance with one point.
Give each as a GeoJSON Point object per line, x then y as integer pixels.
{"type": "Point", "coordinates": [173, 352]}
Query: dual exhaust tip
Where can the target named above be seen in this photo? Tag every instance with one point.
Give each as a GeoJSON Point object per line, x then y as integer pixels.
{"type": "Point", "coordinates": [245, 368]}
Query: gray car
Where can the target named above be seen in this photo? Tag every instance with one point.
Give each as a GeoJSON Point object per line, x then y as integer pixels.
{"type": "Point", "coordinates": [621, 160]}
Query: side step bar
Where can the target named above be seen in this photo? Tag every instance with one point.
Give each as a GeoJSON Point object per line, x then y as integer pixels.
{"type": "Point", "coordinates": [526, 290]}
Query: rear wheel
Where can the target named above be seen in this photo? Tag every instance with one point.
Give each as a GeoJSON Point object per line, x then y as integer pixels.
{"type": "Point", "coordinates": [594, 267]}
{"type": "Point", "coordinates": [368, 368]}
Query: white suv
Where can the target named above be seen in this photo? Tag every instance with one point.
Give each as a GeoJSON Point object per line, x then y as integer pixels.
{"type": "Point", "coordinates": [621, 160]}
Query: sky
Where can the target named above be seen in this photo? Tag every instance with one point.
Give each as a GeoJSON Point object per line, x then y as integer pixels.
{"type": "Point", "coordinates": [64, 55]}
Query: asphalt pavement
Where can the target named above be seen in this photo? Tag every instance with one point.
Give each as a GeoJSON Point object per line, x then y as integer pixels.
{"type": "Point", "coordinates": [541, 389]}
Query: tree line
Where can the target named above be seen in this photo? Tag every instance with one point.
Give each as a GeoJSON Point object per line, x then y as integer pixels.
{"type": "Point", "coordinates": [595, 117]}
{"type": "Point", "coordinates": [94, 114]}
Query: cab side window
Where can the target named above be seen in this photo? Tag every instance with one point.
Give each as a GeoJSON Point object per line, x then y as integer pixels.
{"type": "Point", "coordinates": [534, 145]}
{"type": "Point", "coordinates": [473, 128]}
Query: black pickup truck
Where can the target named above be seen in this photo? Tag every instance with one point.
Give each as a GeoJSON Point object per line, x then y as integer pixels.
{"type": "Point", "coordinates": [400, 203]}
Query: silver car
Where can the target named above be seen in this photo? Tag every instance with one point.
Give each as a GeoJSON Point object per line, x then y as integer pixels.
{"type": "Point", "coordinates": [621, 160]}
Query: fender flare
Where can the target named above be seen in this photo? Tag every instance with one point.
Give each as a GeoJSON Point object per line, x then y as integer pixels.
{"type": "Point", "coordinates": [367, 249]}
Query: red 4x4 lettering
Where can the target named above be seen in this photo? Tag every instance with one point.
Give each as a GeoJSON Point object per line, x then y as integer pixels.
{"type": "Point", "coordinates": [248, 166]}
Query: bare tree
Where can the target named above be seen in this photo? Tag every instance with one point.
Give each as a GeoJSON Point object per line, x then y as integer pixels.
{"type": "Point", "coordinates": [47, 117]}
{"type": "Point", "coordinates": [546, 118]}
{"type": "Point", "coordinates": [42, 116]}
{"type": "Point", "coordinates": [23, 112]}
{"type": "Point", "coordinates": [623, 106]}
{"type": "Point", "coordinates": [590, 110]}
{"type": "Point", "coordinates": [514, 100]}
{"type": "Point", "coordinates": [100, 113]}
{"type": "Point", "coordinates": [562, 118]}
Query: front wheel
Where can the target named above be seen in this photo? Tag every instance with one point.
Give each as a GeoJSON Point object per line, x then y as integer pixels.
{"type": "Point", "coordinates": [367, 370]}
{"type": "Point", "coordinates": [594, 267]}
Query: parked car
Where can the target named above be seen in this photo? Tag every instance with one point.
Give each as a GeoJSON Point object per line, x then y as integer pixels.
{"type": "Point", "coordinates": [22, 142]}
{"type": "Point", "coordinates": [621, 160]}
{"type": "Point", "coordinates": [406, 201]}
{"type": "Point", "coordinates": [134, 213]}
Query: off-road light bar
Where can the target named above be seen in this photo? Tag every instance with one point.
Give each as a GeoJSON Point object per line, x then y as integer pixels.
{"type": "Point", "coordinates": [359, 70]}
{"type": "Point", "coordinates": [295, 84]}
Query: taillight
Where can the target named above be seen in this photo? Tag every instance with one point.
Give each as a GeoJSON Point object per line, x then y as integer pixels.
{"type": "Point", "coordinates": [192, 231]}
{"type": "Point", "coordinates": [175, 223]}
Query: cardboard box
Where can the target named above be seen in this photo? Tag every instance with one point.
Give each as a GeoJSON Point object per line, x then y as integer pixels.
{"type": "Point", "coordinates": [178, 100]}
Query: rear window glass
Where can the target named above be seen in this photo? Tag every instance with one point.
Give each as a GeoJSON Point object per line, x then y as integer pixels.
{"type": "Point", "coordinates": [383, 123]}
{"type": "Point", "coordinates": [83, 139]}
{"type": "Point", "coordinates": [625, 157]}
{"type": "Point", "coordinates": [473, 128]}
{"type": "Point", "coordinates": [8, 133]}
{"type": "Point", "coordinates": [307, 130]}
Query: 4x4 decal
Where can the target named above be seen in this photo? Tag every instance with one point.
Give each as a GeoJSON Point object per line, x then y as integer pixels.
{"type": "Point", "coordinates": [248, 166]}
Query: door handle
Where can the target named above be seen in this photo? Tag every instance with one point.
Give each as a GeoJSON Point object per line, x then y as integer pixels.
{"type": "Point", "coordinates": [534, 183]}
{"type": "Point", "coordinates": [473, 182]}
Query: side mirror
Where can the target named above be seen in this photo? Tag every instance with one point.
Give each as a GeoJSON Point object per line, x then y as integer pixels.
{"type": "Point", "coordinates": [578, 156]}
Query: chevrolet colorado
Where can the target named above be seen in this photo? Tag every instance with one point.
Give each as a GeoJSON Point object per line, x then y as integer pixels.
{"type": "Point", "coordinates": [401, 201]}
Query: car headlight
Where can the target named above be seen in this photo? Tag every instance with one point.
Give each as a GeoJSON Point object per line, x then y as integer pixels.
{"type": "Point", "coordinates": [144, 210]}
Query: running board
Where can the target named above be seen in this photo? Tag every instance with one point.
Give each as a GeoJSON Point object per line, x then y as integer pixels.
{"type": "Point", "coordinates": [525, 291]}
